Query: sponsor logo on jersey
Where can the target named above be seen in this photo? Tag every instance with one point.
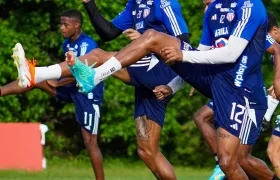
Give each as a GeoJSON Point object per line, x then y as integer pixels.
{"type": "Point", "coordinates": [233, 5]}
{"type": "Point", "coordinates": [164, 3]}
{"type": "Point", "coordinates": [222, 31]}
{"type": "Point", "coordinates": [83, 48]}
{"type": "Point", "coordinates": [146, 12]}
{"type": "Point", "coordinates": [224, 9]}
{"type": "Point", "coordinates": [240, 72]}
{"type": "Point", "coordinates": [221, 42]}
{"type": "Point", "coordinates": [214, 17]}
{"type": "Point", "coordinates": [247, 4]}
{"type": "Point", "coordinates": [150, 2]}
{"type": "Point", "coordinates": [139, 25]}
{"type": "Point", "coordinates": [218, 6]}
{"type": "Point", "coordinates": [142, 6]}
{"type": "Point", "coordinates": [230, 15]}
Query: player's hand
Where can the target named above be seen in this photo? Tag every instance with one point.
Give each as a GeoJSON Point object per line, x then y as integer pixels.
{"type": "Point", "coordinates": [271, 91]}
{"type": "Point", "coordinates": [53, 83]}
{"type": "Point", "coordinates": [131, 34]}
{"type": "Point", "coordinates": [171, 54]}
{"type": "Point", "coordinates": [162, 91]}
{"type": "Point", "coordinates": [70, 58]}
{"type": "Point", "coordinates": [191, 91]}
{"type": "Point", "coordinates": [85, 1]}
{"type": "Point", "coordinates": [276, 89]}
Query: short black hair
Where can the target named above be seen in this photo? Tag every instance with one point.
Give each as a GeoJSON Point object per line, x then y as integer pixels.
{"type": "Point", "coordinates": [272, 21]}
{"type": "Point", "coordinates": [73, 13]}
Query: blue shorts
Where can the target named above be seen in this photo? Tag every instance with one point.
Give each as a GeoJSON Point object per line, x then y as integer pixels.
{"type": "Point", "coordinates": [87, 111]}
{"type": "Point", "coordinates": [238, 116]}
{"type": "Point", "coordinates": [145, 77]}
{"type": "Point", "coordinates": [276, 131]}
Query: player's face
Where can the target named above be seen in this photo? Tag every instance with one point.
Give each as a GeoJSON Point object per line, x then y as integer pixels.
{"type": "Point", "coordinates": [68, 26]}
{"type": "Point", "coordinates": [275, 33]}
{"type": "Point", "coordinates": [206, 4]}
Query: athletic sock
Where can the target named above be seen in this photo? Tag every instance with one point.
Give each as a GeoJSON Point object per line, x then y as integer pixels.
{"type": "Point", "coordinates": [216, 158]}
{"type": "Point", "coordinates": [272, 104]}
{"type": "Point", "coordinates": [47, 73]}
{"type": "Point", "coordinates": [105, 70]}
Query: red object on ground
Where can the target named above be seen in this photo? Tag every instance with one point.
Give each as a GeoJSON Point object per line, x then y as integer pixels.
{"type": "Point", "coordinates": [20, 146]}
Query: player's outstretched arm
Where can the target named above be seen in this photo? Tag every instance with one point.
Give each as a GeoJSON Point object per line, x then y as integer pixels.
{"type": "Point", "coordinates": [106, 30]}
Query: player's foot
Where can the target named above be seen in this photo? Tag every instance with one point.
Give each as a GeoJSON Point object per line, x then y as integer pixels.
{"type": "Point", "coordinates": [26, 69]}
{"type": "Point", "coordinates": [83, 73]}
{"type": "Point", "coordinates": [217, 174]}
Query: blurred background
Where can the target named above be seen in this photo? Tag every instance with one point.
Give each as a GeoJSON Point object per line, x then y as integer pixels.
{"type": "Point", "coordinates": [35, 24]}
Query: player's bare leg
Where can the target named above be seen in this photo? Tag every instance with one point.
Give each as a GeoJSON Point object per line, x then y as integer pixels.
{"type": "Point", "coordinates": [273, 150]}
{"type": "Point", "coordinates": [148, 136]}
{"type": "Point", "coordinates": [14, 88]}
{"type": "Point", "coordinates": [204, 120]}
{"type": "Point", "coordinates": [254, 167]}
{"type": "Point", "coordinates": [96, 159]}
{"type": "Point", "coordinates": [227, 153]}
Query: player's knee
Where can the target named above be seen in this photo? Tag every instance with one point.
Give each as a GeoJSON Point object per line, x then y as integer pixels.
{"type": "Point", "coordinates": [226, 163]}
{"type": "Point", "coordinates": [198, 118]}
{"type": "Point", "coordinates": [91, 142]}
{"type": "Point", "coordinates": [145, 153]}
{"type": "Point", "coordinates": [150, 37]}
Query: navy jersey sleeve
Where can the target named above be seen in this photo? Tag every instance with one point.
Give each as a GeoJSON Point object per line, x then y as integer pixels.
{"type": "Point", "coordinates": [124, 20]}
{"type": "Point", "coordinates": [87, 45]}
{"type": "Point", "coordinates": [172, 17]}
{"type": "Point", "coordinates": [250, 15]}
{"type": "Point", "coordinates": [206, 38]}
{"type": "Point", "coordinates": [64, 46]}
{"type": "Point", "coordinates": [268, 41]}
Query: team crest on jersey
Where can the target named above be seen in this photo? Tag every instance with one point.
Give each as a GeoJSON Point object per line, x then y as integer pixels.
{"type": "Point", "coordinates": [218, 6]}
{"type": "Point", "coordinates": [150, 2]}
{"type": "Point", "coordinates": [164, 3]}
{"type": "Point", "coordinates": [146, 12]}
{"type": "Point", "coordinates": [247, 4]}
{"type": "Point", "coordinates": [230, 15]}
{"type": "Point", "coordinates": [233, 5]}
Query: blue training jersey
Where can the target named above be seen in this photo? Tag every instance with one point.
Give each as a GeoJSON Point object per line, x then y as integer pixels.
{"type": "Point", "coordinates": [160, 15]}
{"type": "Point", "coordinates": [245, 19]}
{"type": "Point", "coordinates": [83, 45]}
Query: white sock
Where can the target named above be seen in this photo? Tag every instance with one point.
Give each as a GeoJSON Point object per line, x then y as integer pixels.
{"type": "Point", "coordinates": [47, 73]}
{"type": "Point", "coordinates": [272, 104]}
{"type": "Point", "coordinates": [107, 69]}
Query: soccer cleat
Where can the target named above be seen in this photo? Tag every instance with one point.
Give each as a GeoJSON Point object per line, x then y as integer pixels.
{"type": "Point", "coordinates": [217, 174]}
{"type": "Point", "coordinates": [84, 75]}
{"type": "Point", "coordinates": [25, 68]}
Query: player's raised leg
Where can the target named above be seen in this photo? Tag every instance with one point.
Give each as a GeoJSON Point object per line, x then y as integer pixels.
{"type": "Point", "coordinates": [150, 41]}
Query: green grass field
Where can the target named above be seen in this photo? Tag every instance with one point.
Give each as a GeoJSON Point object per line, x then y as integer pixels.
{"type": "Point", "coordinates": [114, 170]}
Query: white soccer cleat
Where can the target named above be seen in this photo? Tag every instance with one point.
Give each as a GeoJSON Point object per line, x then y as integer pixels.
{"type": "Point", "coordinates": [25, 68]}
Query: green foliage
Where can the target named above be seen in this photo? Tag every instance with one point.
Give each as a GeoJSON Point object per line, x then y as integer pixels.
{"type": "Point", "coordinates": [35, 23]}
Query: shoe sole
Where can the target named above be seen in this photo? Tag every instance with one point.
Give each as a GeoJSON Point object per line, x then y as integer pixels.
{"type": "Point", "coordinates": [18, 61]}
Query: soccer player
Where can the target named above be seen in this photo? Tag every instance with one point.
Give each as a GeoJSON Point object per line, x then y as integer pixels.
{"type": "Point", "coordinates": [273, 148]}
{"type": "Point", "coordinates": [87, 106]}
{"type": "Point", "coordinates": [237, 88]}
{"type": "Point", "coordinates": [145, 73]}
